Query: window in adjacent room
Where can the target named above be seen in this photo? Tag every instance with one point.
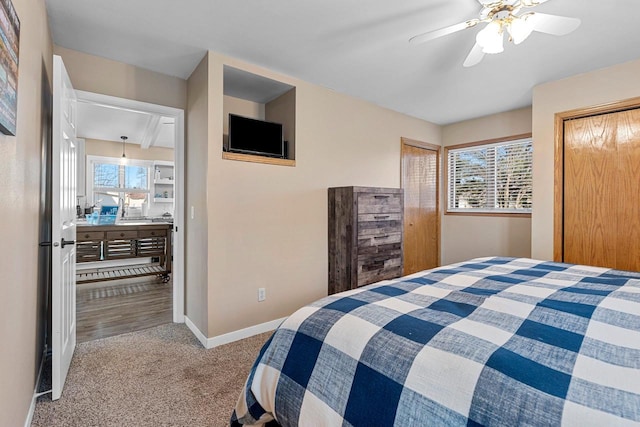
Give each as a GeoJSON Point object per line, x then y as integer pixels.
{"type": "Point", "coordinates": [113, 183]}
{"type": "Point", "coordinates": [490, 178]}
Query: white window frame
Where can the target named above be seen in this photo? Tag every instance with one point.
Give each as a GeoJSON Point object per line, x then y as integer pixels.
{"type": "Point", "coordinates": [449, 154]}
{"type": "Point", "coordinates": [90, 189]}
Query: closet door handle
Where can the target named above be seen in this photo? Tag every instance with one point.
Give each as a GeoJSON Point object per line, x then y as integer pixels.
{"type": "Point", "coordinates": [381, 216]}
{"type": "Point", "coordinates": [381, 237]}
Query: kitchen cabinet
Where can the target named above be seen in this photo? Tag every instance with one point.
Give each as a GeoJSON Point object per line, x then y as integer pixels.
{"type": "Point", "coordinates": [97, 243]}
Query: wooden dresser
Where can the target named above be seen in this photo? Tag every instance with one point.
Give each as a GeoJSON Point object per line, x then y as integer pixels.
{"type": "Point", "coordinates": [365, 236]}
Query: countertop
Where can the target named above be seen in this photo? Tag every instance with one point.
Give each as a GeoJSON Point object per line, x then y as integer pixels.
{"type": "Point", "coordinates": [136, 225]}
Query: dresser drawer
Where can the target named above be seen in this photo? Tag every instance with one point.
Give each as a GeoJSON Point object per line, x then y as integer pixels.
{"type": "Point", "coordinates": [378, 239]}
{"type": "Point", "coordinates": [379, 227]}
{"type": "Point", "coordinates": [375, 217]}
{"type": "Point", "coordinates": [124, 234]}
{"type": "Point", "coordinates": [373, 203]}
{"type": "Point", "coordinates": [374, 269]}
{"type": "Point", "coordinates": [89, 235]}
{"type": "Point", "coordinates": [152, 233]}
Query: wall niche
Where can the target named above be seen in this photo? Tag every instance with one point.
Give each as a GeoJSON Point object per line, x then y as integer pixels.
{"type": "Point", "coordinates": [258, 97]}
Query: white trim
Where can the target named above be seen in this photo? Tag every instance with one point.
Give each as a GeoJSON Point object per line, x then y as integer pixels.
{"type": "Point", "coordinates": [180, 189]}
{"type": "Point", "coordinates": [32, 407]}
{"type": "Point", "coordinates": [244, 333]}
{"type": "Point", "coordinates": [230, 337]}
{"type": "Point", "coordinates": [196, 331]}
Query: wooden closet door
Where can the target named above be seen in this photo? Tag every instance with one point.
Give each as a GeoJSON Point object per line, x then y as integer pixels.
{"type": "Point", "coordinates": [601, 190]}
{"type": "Point", "coordinates": [628, 191]}
{"type": "Point", "coordinates": [590, 211]}
{"type": "Point", "coordinates": [421, 213]}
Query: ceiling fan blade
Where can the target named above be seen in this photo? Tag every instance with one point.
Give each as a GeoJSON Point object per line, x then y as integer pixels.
{"type": "Point", "coordinates": [431, 35]}
{"type": "Point", "coordinates": [474, 57]}
{"type": "Point", "coordinates": [553, 24]}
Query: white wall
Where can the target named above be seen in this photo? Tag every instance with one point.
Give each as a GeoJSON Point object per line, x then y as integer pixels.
{"type": "Point", "coordinates": [466, 237]}
{"type": "Point", "coordinates": [599, 87]}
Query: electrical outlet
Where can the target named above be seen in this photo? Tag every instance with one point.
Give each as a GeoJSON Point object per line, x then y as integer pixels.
{"type": "Point", "coordinates": [262, 294]}
{"type": "Point", "coordinates": [193, 212]}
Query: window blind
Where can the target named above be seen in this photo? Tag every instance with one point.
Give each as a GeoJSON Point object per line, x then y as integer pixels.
{"type": "Point", "coordinates": [493, 178]}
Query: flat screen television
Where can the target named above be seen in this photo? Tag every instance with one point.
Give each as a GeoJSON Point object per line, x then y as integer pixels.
{"type": "Point", "coordinates": [251, 136]}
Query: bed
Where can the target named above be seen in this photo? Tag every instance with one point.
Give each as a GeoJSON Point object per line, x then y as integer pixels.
{"type": "Point", "coordinates": [491, 341]}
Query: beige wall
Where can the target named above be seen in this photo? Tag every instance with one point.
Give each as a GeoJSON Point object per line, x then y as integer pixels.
{"type": "Point", "coordinates": [598, 87]}
{"type": "Point", "coordinates": [268, 224]}
{"type": "Point", "coordinates": [283, 110]}
{"type": "Point", "coordinates": [96, 147]}
{"type": "Point", "coordinates": [99, 75]}
{"type": "Point", "coordinates": [196, 244]}
{"type": "Point", "coordinates": [240, 107]}
{"type": "Point", "coordinates": [466, 237]}
{"type": "Point", "coordinates": [19, 208]}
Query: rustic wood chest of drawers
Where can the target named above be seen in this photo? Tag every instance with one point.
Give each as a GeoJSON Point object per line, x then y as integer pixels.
{"type": "Point", "coordinates": [365, 236]}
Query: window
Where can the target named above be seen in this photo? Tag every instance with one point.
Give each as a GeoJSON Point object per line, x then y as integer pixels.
{"type": "Point", "coordinates": [490, 178]}
{"type": "Point", "coordinates": [112, 183]}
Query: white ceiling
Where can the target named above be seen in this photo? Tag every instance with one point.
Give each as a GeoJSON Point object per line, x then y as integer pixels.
{"type": "Point", "coordinates": [97, 121]}
{"type": "Point", "coordinates": [249, 86]}
{"type": "Point", "coordinates": [355, 47]}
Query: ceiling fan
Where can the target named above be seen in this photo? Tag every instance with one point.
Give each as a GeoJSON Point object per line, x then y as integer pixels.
{"type": "Point", "coordinates": [500, 16]}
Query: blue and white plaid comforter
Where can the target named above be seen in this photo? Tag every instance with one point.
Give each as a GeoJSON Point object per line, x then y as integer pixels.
{"type": "Point", "coordinates": [493, 341]}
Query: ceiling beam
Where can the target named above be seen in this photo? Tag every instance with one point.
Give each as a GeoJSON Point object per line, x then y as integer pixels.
{"type": "Point", "coordinates": [151, 131]}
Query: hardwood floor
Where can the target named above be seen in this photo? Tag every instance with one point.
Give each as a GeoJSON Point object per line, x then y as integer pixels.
{"type": "Point", "coordinates": [105, 309]}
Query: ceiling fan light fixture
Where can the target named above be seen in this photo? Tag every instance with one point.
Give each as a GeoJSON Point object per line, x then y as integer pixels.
{"type": "Point", "coordinates": [520, 28]}
{"type": "Point", "coordinates": [491, 38]}
{"type": "Point", "coordinates": [503, 16]}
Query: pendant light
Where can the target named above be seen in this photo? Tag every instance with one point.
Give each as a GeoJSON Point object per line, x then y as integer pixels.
{"type": "Point", "coordinates": [123, 159]}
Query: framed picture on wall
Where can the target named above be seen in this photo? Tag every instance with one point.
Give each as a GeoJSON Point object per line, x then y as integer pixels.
{"type": "Point", "coordinates": [9, 49]}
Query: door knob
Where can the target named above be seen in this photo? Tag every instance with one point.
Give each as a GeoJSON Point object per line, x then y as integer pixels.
{"type": "Point", "coordinates": [64, 243]}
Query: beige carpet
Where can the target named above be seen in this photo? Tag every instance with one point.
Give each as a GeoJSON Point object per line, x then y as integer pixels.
{"type": "Point", "coordinates": [156, 377]}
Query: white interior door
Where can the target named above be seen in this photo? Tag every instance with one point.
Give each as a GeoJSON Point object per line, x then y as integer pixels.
{"type": "Point", "coordinates": [63, 226]}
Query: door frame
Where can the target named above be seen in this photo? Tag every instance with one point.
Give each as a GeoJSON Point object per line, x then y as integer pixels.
{"type": "Point", "coordinates": [431, 147]}
{"type": "Point", "coordinates": [558, 181]}
{"type": "Point", "coordinates": [179, 164]}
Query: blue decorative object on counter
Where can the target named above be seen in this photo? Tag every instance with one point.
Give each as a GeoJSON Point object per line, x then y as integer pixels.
{"type": "Point", "coordinates": [108, 215]}
{"type": "Point", "coordinates": [109, 210]}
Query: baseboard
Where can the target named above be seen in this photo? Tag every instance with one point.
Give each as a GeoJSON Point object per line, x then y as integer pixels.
{"type": "Point", "coordinates": [232, 336]}
{"type": "Point", "coordinates": [32, 407]}
{"type": "Point", "coordinates": [194, 329]}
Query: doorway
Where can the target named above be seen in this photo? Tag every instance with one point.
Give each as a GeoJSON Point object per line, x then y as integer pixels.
{"type": "Point", "coordinates": [420, 179]}
{"type": "Point", "coordinates": [117, 289]}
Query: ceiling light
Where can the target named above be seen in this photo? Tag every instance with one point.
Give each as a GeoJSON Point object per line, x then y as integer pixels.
{"type": "Point", "coordinates": [520, 28]}
{"type": "Point", "coordinates": [123, 159]}
{"type": "Point", "coordinates": [491, 37]}
{"type": "Point", "coordinates": [501, 16]}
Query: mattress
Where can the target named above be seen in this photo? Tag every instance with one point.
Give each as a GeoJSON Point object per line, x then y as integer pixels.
{"type": "Point", "coordinates": [491, 341]}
